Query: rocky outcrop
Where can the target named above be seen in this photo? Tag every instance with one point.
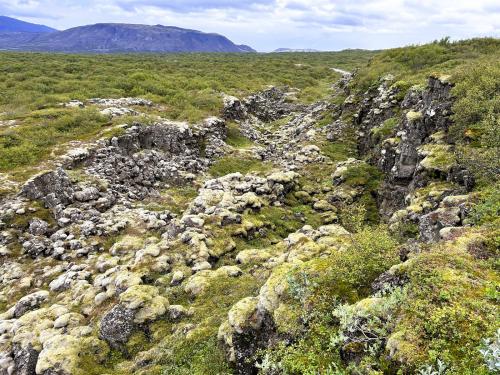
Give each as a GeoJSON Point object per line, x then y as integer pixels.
{"type": "Point", "coordinates": [271, 104]}
{"type": "Point", "coordinates": [117, 325]}
{"type": "Point", "coordinates": [139, 305]}
{"type": "Point", "coordinates": [267, 106]}
{"type": "Point", "coordinates": [413, 153]}
{"type": "Point", "coordinates": [417, 152]}
{"type": "Point", "coordinates": [53, 188]}
{"type": "Point", "coordinates": [99, 295]}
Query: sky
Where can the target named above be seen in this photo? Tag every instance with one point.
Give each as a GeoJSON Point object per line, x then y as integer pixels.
{"type": "Point", "coordinates": [266, 25]}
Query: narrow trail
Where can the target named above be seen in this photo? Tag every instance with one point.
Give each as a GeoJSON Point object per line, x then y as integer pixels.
{"type": "Point", "coordinates": [343, 72]}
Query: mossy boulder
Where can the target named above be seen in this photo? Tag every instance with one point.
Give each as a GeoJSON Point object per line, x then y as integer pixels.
{"type": "Point", "coordinates": [146, 301]}
{"type": "Point", "coordinates": [127, 245]}
{"type": "Point", "coordinates": [66, 354]}
{"type": "Point", "coordinates": [437, 157]}
{"type": "Point", "coordinates": [253, 256]}
{"type": "Point", "coordinates": [274, 289]}
{"type": "Point", "coordinates": [413, 116]}
{"type": "Point", "coordinates": [201, 281]}
{"type": "Point", "coordinates": [243, 315]}
{"type": "Point", "coordinates": [447, 310]}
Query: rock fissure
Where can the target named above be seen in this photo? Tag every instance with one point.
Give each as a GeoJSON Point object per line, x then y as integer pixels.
{"type": "Point", "coordinates": [117, 243]}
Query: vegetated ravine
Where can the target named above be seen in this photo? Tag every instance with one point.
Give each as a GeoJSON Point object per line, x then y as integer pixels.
{"type": "Point", "coordinates": [354, 235]}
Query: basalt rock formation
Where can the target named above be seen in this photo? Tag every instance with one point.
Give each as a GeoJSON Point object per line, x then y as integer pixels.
{"type": "Point", "coordinates": [90, 266]}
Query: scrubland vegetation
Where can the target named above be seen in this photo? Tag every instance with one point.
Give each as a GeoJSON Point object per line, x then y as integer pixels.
{"type": "Point", "coordinates": [185, 86]}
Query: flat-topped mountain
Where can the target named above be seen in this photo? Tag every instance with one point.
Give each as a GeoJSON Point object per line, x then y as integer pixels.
{"type": "Point", "coordinates": [281, 50]}
{"type": "Point", "coordinates": [111, 38]}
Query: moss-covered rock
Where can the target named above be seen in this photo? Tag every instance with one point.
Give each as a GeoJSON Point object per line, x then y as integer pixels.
{"type": "Point", "coordinates": [146, 301]}
{"type": "Point", "coordinates": [437, 157]}
{"type": "Point", "coordinates": [413, 116]}
{"type": "Point", "coordinates": [447, 311]}
{"type": "Point", "coordinates": [65, 354]}
{"type": "Point", "coordinates": [253, 256]}
{"type": "Point", "coordinates": [127, 245]}
{"type": "Point", "coordinates": [201, 281]}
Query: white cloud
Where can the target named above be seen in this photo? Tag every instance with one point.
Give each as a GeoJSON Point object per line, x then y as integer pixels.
{"type": "Point", "coordinates": [266, 25]}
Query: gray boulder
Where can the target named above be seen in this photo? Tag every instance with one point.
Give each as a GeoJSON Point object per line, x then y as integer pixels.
{"type": "Point", "coordinates": [38, 227]}
{"type": "Point", "coordinates": [117, 326]}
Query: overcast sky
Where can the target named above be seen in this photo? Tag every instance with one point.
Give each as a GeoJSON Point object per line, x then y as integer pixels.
{"type": "Point", "coordinates": [267, 25]}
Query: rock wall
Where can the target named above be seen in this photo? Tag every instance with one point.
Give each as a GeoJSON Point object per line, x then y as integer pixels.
{"type": "Point", "coordinates": [414, 153]}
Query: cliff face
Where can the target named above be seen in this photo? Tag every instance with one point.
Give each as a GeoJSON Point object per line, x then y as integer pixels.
{"type": "Point", "coordinates": [408, 141]}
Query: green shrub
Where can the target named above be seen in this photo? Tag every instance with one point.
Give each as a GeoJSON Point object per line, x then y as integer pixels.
{"type": "Point", "coordinates": [477, 118]}
{"type": "Point", "coordinates": [487, 210]}
{"type": "Point", "coordinates": [33, 141]}
{"type": "Point", "coordinates": [446, 313]}
{"type": "Point", "coordinates": [185, 86]}
{"type": "Point", "coordinates": [320, 286]}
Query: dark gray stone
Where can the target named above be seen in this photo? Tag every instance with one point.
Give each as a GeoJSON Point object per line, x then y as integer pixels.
{"type": "Point", "coordinates": [117, 326]}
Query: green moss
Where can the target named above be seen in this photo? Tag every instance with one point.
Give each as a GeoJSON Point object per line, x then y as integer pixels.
{"type": "Point", "coordinates": [175, 199]}
{"type": "Point", "coordinates": [325, 120]}
{"type": "Point", "coordinates": [316, 176]}
{"type": "Point", "coordinates": [128, 244]}
{"type": "Point", "coordinates": [362, 174]}
{"type": "Point", "coordinates": [385, 130]}
{"type": "Point", "coordinates": [138, 342]}
{"type": "Point", "coordinates": [487, 209]}
{"type": "Point", "coordinates": [22, 221]}
{"type": "Point", "coordinates": [343, 277]}
{"type": "Point", "coordinates": [447, 312]}
{"type": "Point", "coordinates": [402, 87]}
{"type": "Point", "coordinates": [281, 221]}
{"type": "Point", "coordinates": [195, 356]}
{"type": "Point", "coordinates": [413, 116]}
{"type": "Point", "coordinates": [338, 151]}
{"type": "Point", "coordinates": [277, 124]}
{"type": "Point", "coordinates": [422, 198]}
{"type": "Point", "coordinates": [33, 141]}
{"type": "Point", "coordinates": [3, 306]}
{"type": "Point", "coordinates": [235, 138]}
{"type": "Point", "coordinates": [437, 157]}
{"type": "Point", "coordinates": [443, 312]}
{"type": "Point", "coordinates": [233, 164]}
{"type": "Point", "coordinates": [199, 352]}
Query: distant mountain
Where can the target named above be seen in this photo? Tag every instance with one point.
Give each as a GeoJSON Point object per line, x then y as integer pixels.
{"type": "Point", "coordinates": [280, 50]}
{"type": "Point", "coordinates": [12, 25]}
{"type": "Point", "coordinates": [114, 38]}
{"type": "Point", "coordinates": [245, 48]}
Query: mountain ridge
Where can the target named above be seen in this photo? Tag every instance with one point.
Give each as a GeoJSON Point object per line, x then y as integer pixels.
{"type": "Point", "coordinates": [120, 38]}
{"type": "Point", "coordinates": [9, 24]}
